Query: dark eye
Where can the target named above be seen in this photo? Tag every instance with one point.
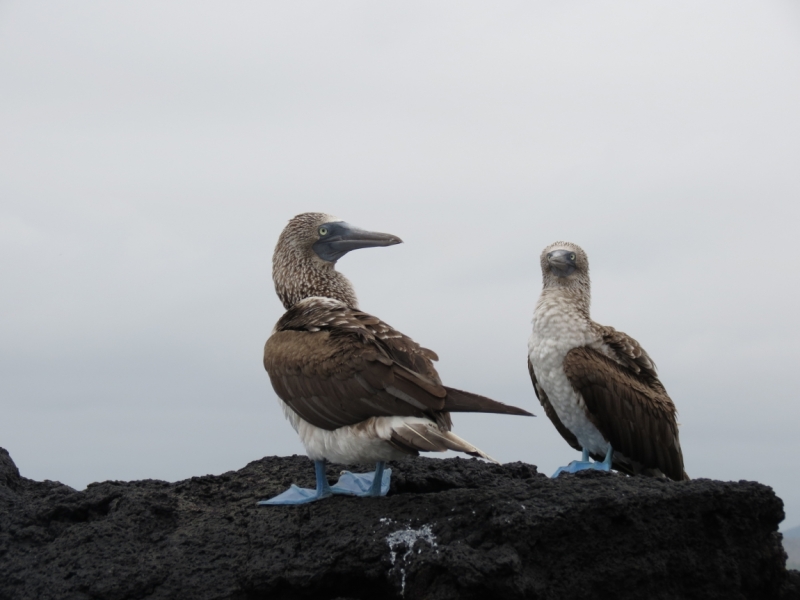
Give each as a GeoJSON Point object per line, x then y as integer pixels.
{"type": "Point", "coordinates": [572, 256]}
{"type": "Point", "coordinates": [323, 231]}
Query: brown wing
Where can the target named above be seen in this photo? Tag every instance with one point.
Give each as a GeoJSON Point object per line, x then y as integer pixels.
{"type": "Point", "coordinates": [332, 381]}
{"type": "Point", "coordinates": [627, 351]}
{"type": "Point", "coordinates": [550, 411]}
{"type": "Point", "coordinates": [632, 410]}
{"type": "Point", "coordinates": [335, 366]}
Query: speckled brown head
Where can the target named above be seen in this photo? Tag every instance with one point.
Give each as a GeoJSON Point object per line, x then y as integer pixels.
{"type": "Point", "coordinates": [303, 264]}
{"type": "Point", "coordinates": [565, 266]}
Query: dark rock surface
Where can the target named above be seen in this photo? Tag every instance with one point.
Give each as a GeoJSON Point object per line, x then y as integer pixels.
{"type": "Point", "coordinates": [449, 529]}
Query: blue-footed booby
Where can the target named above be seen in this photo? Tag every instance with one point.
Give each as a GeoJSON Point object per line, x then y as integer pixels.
{"type": "Point", "coordinates": [355, 389]}
{"type": "Point", "coordinates": [597, 385]}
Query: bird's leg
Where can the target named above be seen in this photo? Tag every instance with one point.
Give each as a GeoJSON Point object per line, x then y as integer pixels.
{"type": "Point", "coordinates": [586, 463]}
{"type": "Point", "coordinates": [364, 484]}
{"type": "Point", "coordinates": [377, 480]}
{"type": "Point", "coordinates": [608, 460]}
{"type": "Point", "coordinates": [298, 495]}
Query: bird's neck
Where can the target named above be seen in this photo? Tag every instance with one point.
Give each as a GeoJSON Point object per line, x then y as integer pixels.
{"type": "Point", "coordinates": [298, 277]}
{"type": "Point", "coordinates": [577, 297]}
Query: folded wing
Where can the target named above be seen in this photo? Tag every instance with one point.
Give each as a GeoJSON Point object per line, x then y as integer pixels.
{"type": "Point", "coordinates": [336, 366]}
{"type": "Point", "coordinates": [630, 407]}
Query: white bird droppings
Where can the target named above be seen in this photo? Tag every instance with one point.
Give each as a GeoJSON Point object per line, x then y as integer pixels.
{"type": "Point", "coordinates": [407, 538]}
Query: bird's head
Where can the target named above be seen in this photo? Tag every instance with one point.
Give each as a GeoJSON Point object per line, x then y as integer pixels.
{"type": "Point", "coordinates": [328, 238]}
{"type": "Point", "coordinates": [565, 265]}
{"type": "Point", "coordinates": [307, 250]}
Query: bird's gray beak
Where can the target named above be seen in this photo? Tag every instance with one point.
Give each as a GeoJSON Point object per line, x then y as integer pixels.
{"type": "Point", "coordinates": [560, 262]}
{"type": "Point", "coordinates": [342, 237]}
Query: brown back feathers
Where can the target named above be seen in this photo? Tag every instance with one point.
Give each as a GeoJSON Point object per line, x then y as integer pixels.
{"type": "Point", "coordinates": [336, 366]}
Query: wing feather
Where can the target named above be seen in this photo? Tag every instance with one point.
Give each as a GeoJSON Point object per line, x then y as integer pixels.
{"type": "Point", "coordinates": [630, 407]}
{"type": "Point", "coordinates": [336, 366]}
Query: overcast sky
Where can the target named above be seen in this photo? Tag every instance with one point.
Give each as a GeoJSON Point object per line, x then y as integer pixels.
{"type": "Point", "coordinates": [151, 153]}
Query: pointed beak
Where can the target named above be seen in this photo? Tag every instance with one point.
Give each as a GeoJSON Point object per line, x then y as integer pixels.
{"type": "Point", "coordinates": [560, 263]}
{"type": "Point", "coordinates": [344, 237]}
{"type": "Point", "coordinates": [353, 238]}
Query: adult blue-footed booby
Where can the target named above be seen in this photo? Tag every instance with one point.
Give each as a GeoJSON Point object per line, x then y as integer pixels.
{"type": "Point", "coordinates": [597, 385]}
{"type": "Point", "coordinates": [355, 389]}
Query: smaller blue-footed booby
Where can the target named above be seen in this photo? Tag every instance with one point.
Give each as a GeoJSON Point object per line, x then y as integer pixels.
{"type": "Point", "coordinates": [597, 385]}
{"type": "Point", "coordinates": [355, 389]}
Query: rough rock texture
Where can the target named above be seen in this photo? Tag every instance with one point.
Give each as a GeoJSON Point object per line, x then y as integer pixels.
{"type": "Point", "coordinates": [449, 529]}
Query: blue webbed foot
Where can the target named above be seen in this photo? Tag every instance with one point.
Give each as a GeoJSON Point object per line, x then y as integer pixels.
{"type": "Point", "coordinates": [580, 465]}
{"type": "Point", "coordinates": [298, 495]}
{"type": "Point", "coordinates": [364, 484]}
{"type": "Point", "coordinates": [586, 464]}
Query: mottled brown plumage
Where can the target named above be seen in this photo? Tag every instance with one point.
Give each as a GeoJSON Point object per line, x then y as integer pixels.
{"type": "Point", "coordinates": [335, 366]}
{"type": "Point", "coordinates": [299, 273]}
{"type": "Point", "coordinates": [614, 379]}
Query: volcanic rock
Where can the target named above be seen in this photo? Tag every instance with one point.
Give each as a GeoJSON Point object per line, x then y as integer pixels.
{"type": "Point", "coordinates": [448, 529]}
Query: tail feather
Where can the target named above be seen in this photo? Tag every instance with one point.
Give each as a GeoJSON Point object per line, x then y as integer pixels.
{"type": "Point", "coordinates": [460, 401]}
{"type": "Point", "coordinates": [427, 437]}
{"type": "Point", "coordinates": [461, 445]}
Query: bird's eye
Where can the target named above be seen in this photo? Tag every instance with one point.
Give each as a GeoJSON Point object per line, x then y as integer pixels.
{"type": "Point", "coordinates": [572, 256]}
{"type": "Point", "coordinates": [323, 231]}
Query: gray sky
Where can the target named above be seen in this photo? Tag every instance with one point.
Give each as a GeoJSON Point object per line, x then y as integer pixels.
{"type": "Point", "coordinates": [151, 153]}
